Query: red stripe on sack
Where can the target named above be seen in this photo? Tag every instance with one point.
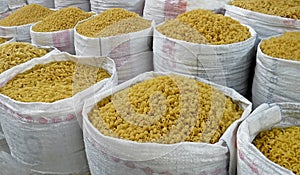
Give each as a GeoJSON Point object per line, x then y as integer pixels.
{"type": "Point", "coordinates": [169, 50]}
{"type": "Point", "coordinates": [173, 8]}
{"type": "Point", "coordinates": [62, 40]}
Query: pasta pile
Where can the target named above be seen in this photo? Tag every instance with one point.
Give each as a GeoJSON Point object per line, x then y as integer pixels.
{"type": "Point", "coordinates": [127, 25]}
{"type": "Point", "coordinates": [15, 53]}
{"type": "Point", "coordinates": [215, 28]}
{"type": "Point", "coordinates": [65, 18]}
{"type": "Point", "coordinates": [112, 20]}
{"type": "Point", "coordinates": [281, 145]}
{"type": "Point", "coordinates": [26, 15]}
{"type": "Point", "coordinates": [283, 8]}
{"type": "Point", "coordinates": [286, 46]}
{"type": "Point", "coordinates": [52, 81]}
{"type": "Point", "coordinates": [2, 40]}
{"type": "Point", "coordinates": [176, 29]}
{"type": "Point", "coordinates": [166, 109]}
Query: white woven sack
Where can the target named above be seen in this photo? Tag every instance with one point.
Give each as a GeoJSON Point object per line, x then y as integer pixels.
{"type": "Point", "coordinates": [47, 136]}
{"type": "Point", "coordinates": [3, 6]}
{"type": "Point", "coordinates": [15, 4]}
{"type": "Point", "coordinates": [9, 166]}
{"type": "Point", "coordinates": [130, 66]}
{"type": "Point", "coordinates": [82, 4]}
{"type": "Point", "coordinates": [63, 40]}
{"type": "Point", "coordinates": [264, 117]}
{"type": "Point", "coordinates": [228, 64]}
{"type": "Point", "coordinates": [20, 33]}
{"type": "Point", "coordinates": [111, 156]}
{"type": "Point", "coordinates": [99, 6]}
{"type": "Point", "coordinates": [114, 46]}
{"type": "Point", "coordinates": [265, 25]}
{"type": "Point", "coordinates": [45, 3]}
{"type": "Point", "coordinates": [275, 80]}
{"type": "Point", "coordinates": [160, 10]}
{"type": "Point", "coordinates": [7, 73]}
{"type": "Point", "coordinates": [131, 52]}
{"type": "Point", "coordinates": [3, 144]}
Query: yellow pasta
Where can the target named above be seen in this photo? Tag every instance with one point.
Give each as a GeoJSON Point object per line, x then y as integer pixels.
{"type": "Point", "coordinates": [95, 25]}
{"type": "Point", "coordinates": [26, 15]}
{"type": "Point", "coordinates": [283, 8]}
{"type": "Point", "coordinates": [52, 81]}
{"type": "Point", "coordinates": [286, 46]}
{"type": "Point", "coordinates": [62, 19]}
{"type": "Point", "coordinates": [15, 53]}
{"type": "Point", "coordinates": [166, 109]}
{"type": "Point", "coordinates": [281, 145]}
{"type": "Point", "coordinates": [212, 28]}
{"type": "Point", "coordinates": [3, 40]}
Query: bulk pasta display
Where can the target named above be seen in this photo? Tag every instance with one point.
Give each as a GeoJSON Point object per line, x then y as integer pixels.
{"type": "Point", "coordinates": [17, 24]}
{"type": "Point", "coordinates": [283, 8]}
{"type": "Point", "coordinates": [214, 28]}
{"type": "Point", "coordinates": [281, 145]}
{"type": "Point", "coordinates": [93, 26]}
{"type": "Point", "coordinates": [41, 102]}
{"type": "Point", "coordinates": [205, 116]}
{"type": "Point", "coordinates": [52, 82]}
{"type": "Point", "coordinates": [26, 15]}
{"type": "Point", "coordinates": [120, 34]}
{"type": "Point", "coordinates": [276, 72]}
{"type": "Point", "coordinates": [15, 53]}
{"type": "Point", "coordinates": [285, 46]}
{"type": "Point", "coordinates": [158, 122]}
{"type": "Point", "coordinates": [268, 140]}
{"type": "Point", "coordinates": [62, 19]}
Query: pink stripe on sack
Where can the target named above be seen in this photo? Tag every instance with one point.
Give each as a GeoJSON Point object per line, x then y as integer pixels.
{"type": "Point", "coordinates": [169, 50]}
{"type": "Point", "coordinates": [289, 22]}
{"type": "Point", "coordinates": [62, 40]}
{"type": "Point", "coordinates": [42, 120]}
{"type": "Point", "coordinates": [174, 7]}
{"type": "Point", "coordinates": [70, 117]}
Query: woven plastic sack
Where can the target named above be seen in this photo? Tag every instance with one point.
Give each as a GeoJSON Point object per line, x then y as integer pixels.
{"type": "Point", "coordinates": [136, 6]}
{"type": "Point", "coordinates": [265, 25]}
{"type": "Point", "coordinates": [47, 136]}
{"type": "Point", "coordinates": [160, 10]}
{"type": "Point", "coordinates": [111, 156]}
{"type": "Point", "coordinates": [132, 65]}
{"type": "Point", "coordinates": [3, 6]}
{"type": "Point", "coordinates": [21, 33]}
{"type": "Point", "coordinates": [227, 65]}
{"type": "Point", "coordinates": [63, 40]}
{"type": "Point", "coordinates": [45, 3]}
{"type": "Point", "coordinates": [275, 80]}
{"type": "Point", "coordinates": [264, 117]}
{"type": "Point", "coordinates": [7, 74]}
{"type": "Point", "coordinates": [82, 4]}
{"type": "Point", "coordinates": [3, 144]}
{"type": "Point", "coordinates": [9, 166]}
{"type": "Point", "coordinates": [15, 4]}
{"type": "Point", "coordinates": [131, 51]}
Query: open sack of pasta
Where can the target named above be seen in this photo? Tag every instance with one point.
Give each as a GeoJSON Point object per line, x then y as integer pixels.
{"type": "Point", "coordinates": [121, 35]}
{"type": "Point", "coordinates": [17, 24]}
{"type": "Point", "coordinates": [57, 29]}
{"type": "Point", "coordinates": [268, 140]}
{"type": "Point", "coordinates": [160, 123]}
{"type": "Point", "coordinates": [266, 17]}
{"type": "Point", "coordinates": [42, 100]}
